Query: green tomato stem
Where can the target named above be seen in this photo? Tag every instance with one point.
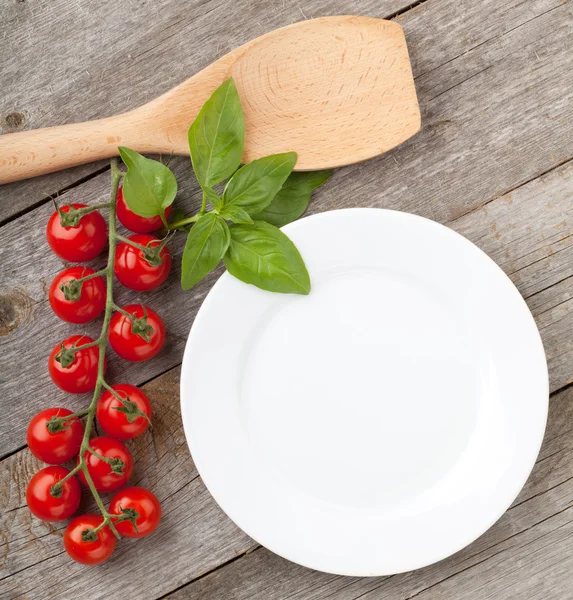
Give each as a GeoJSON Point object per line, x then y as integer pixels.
{"type": "Point", "coordinates": [88, 209]}
{"type": "Point", "coordinates": [101, 342]}
{"type": "Point", "coordinates": [70, 474]}
{"type": "Point", "coordinates": [92, 276]}
{"type": "Point", "coordinates": [183, 222]}
{"type": "Point", "coordinates": [129, 242]}
{"type": "Point", "coordinates": [85, 346]}
{"type": "Point", "coordinates": [80, 413]}
{"type": "Point", "coordinates": [98, 455]}
{"type": "Point", "coordinates": [123, 312]}
{"type": "Point", "coordinates": [112, 392]}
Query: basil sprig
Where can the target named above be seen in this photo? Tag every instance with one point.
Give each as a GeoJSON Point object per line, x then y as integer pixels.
{"type": "Point", "coordinates": [242, 227]}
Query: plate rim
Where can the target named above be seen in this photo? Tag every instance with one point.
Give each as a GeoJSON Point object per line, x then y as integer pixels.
{"type": "Point", "coordinates": [470, 538]}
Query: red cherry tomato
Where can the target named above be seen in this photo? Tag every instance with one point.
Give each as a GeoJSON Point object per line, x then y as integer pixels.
{"type": "Point", "coordinates": [84, 545]}
{"type": "Point", "coordinates": [127, 419]}
{"type": "Point", "coordinates": [105, 478]}
{"type": "Point", "coordinates": [49, 503]}
{"type": "Point", "coordinates": [77, 302]}
{"type": "Point", "coordinates": [80, 242]}
{"type": "Point", "coordinates": [138, 272]}
{"type": "Point", "coordinates": [134, 222]}
{"type": "Point", "coordinates": [57, 447]}
{"type": "Point", "coordinates": [77, 374]}
{"type": "Point", "coordinates": [137, 339]}
{"type": "Point", "coordinates": [142, 506]}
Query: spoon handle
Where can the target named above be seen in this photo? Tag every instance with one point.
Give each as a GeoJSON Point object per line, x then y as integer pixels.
{"type": "Point", "coordinates": [31, 153]}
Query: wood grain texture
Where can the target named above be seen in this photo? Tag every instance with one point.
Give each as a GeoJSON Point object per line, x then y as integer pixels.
{"type": "Point", "coordinates": [26, 319]}
{"type": "Point", "coordinates": [529, 545]}
{"type": "Point", "coordinates": [521, 227]}
{"type": "Point", "coordinates": [31, 267]}
{"type": "Point", "coordinates": [195, 535]}
{"type": "Point", "coordinates": [335, 90]}
{"type": "Point", "coordinates": [494, 81]}
{"type": "Point", "coordinates": [72, 62]}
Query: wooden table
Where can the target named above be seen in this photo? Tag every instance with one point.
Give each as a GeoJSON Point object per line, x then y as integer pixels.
{"type": "Point", "coordinates": [494, 161]}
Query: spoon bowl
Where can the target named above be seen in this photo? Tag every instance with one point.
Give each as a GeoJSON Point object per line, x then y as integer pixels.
{"type": "Point", "coordinates": [337, 90]}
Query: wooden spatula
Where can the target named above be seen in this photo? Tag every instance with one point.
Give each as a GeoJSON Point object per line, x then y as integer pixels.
{"type": "Point", "coordinates": [336, 90]}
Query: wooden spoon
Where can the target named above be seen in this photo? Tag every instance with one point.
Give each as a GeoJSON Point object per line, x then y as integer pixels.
{"type": "Point", "coordinates": [336, 90]}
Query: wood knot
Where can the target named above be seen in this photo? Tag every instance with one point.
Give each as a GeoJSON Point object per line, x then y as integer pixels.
{"type": "Point", "coordinates": [15, 307]}
{"type": "Point", "coordinates": [13, 122]}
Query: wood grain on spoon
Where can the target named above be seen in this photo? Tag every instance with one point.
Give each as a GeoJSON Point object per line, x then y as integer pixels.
{"type": "Point", "coordinates": [336, 90]}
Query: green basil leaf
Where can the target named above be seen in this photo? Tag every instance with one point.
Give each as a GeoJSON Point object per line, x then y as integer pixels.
{"type": "Point", "coordinates": [217, 136]}
{"type": "Point", "coordinates": [149, 187]}
{"type": "Point", "coordinates": [236, 214]}
{"type": "Point", "coordinates": [206, 245]}
{"type": "Point", "coordinates": [213, 198]}
{"type": "Point", "coordinates": [293, 198]}
{"type": "Point", "coordinates": [253, 186]}
{"type": "Point", "coordinates": [263, 255]}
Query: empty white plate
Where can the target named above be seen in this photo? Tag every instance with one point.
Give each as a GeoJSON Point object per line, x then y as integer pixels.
{"type": "Point", "coordinates": [384, 421]}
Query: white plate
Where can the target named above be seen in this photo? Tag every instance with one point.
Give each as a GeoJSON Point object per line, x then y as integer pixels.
{"type": "Point", "coordinates": [384, 421]}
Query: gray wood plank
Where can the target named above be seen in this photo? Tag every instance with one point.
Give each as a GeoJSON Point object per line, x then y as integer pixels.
{"type": "Point", "coordinates": [495, 87]}
{"type": "Point", "coordinates": [542, 514]}
{"type": "Point", "coordinates": [488, 66]}
{"type": "Point", "coordinates": [519, 231]}
{"type": "Point", "coordinates": [528, 232]}
{"type": "Point", "coordinates": [194, 536]}
{"type": "Point", "coordinates": [74, 61]}
{"type": "Point", "coordinates": [432, 175]}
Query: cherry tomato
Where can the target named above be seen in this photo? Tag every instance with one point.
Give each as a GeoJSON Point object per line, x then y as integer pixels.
{"type": "Point", "coordinates": [76, 374]}
{"type": "Point", "coordinates": [108, 477]}
{"type": "Point", "coordinates": [57, 447]}
{"type": "Point", "coordinates": [141, 505]}
{"type": "Point", "coordinates": [127, 419]}
{"type": "Point", "coordinates": [77, 302]}
{"type": "Point", "coordinates": [84, 545]}
{"type": "Point", "coordinates": [136, 270]}
{"type": "Point", "coordinates": [80, 242]}
{"type": "Point", "coordinates": [134, 222]}
{"type": "Point", "coordinates": [137, 339]}
{"type": "Point", "coordinates": [49, 503]}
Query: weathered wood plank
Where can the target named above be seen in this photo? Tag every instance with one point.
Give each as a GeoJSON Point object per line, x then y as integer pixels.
{"type": "Point", "coordinates": [423, 180]}
{"type": "Point", "coordinates": [500, 227]}
{"type": "Point", "coordinates": [542, 512]}
{"type": "Point", "coordinates": [529, 233]}
{"type": "Point", "coordinates": [71, 62]}
{"type": "Point", "coordinates": [195, 536]}
{"type": "Point", "coordinates": [30, 330]}
{"type": "Point", "coordinates": [500, 62]}
{"type": "Point", "coordinates": [495, 86]}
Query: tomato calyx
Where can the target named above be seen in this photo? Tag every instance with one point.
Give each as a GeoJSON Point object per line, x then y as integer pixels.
{"type": "Point", "coordinates": [66, 356]}
{"type": "Point", "coordinates": [151, 255]}
{"type": "Point", "coordinates": [128, 514]}
{"type": "Point", "coordinates": [142, 328]}
{"type": "Point", "coordinates": [56, 424]}
{"type": "Point", "coordinates": [71, 218]}
{"type": "Point", "coordinates": [130, 410]}
{"type": "Point", "coordinates": [89, 535]}
{"type": "Point", "coordinates": [72, 290]}
{"type": "Point", "coordinates": [56, 490]}
{"type": "Point", "coordinates": [116, 465]}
